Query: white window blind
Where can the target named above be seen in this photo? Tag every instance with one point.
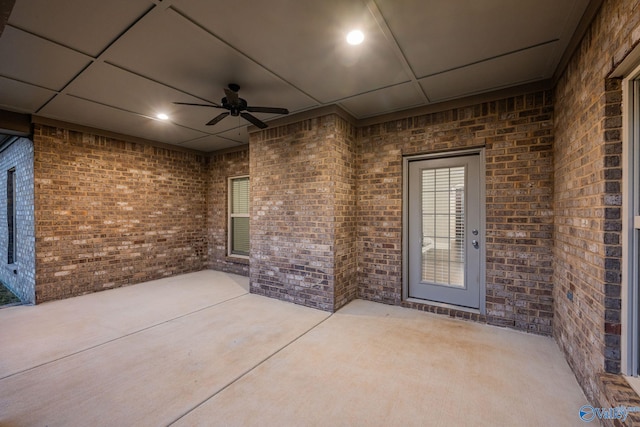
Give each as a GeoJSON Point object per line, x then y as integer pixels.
{"type": "Point", "coordinates": [443, 225]}
{"type": "Point", "coordinates": [239, 216]}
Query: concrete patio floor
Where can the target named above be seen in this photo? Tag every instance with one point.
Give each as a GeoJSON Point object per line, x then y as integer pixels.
{"type": "Point", "coordinates": [198, 349]}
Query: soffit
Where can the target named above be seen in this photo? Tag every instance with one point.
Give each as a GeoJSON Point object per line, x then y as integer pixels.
{"type": "Point", "coordinates": [114, 65]}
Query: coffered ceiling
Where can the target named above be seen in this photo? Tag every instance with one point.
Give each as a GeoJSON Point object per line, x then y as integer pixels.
{"type": "Point", "coordinates": [116, 64]}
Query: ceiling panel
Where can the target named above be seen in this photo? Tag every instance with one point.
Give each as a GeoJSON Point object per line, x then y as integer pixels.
{"type": "Point", "coordinates": [239, 134]}
{"type": "Point", "coordinates": [518, 68]}
{"type": "Point", "coordinates": [75, 110]}
{"type": "Point", "coordinates": [385, 100]}
{"type": "Point", "coordinates": [85, 25]}
{"type": "Point", "coordinates": [22, 97]}
{"type": "Point", "coordinates": [108, 64]}
{"type": "Point", "coordinates": [33, 60]}
{"type": "Point", "coordinates": [190, 59]}
{"type": "Point", "coordinates": [441, 35]}
{"type": "Point", "coordinates": [110, 85]}
{"type": "Point", "coordinates": [304, 42]}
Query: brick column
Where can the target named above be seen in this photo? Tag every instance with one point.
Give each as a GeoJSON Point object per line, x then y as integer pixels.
{"type": "Point", "coordinates": [303, 212]}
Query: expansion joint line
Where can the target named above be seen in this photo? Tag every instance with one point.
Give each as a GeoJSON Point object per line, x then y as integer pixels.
{"type": "Point", "coordinates": [121, 337]}
{"type": "Point", "coordinates": [257, 365]}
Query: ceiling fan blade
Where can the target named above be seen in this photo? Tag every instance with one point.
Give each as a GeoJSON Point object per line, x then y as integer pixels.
{"type": "Point", "coordinates": [199, 105]}
{"type": "Point", "coordinates": [232, 97]}
{"type": "Point", "coordinates": [254, 120]}
{"type": "Point", "coordinates": [268, 110]}
{"type": "Point", "coordinates": [217, 119]}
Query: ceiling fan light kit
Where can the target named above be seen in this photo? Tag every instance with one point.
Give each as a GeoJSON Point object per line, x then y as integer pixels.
{"type": "Point", "coordinates": [237, 106]}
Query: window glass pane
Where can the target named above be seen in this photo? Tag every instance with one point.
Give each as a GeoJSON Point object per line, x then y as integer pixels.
{"type": "Point", "coordinates": [443, 226]}
{"type": "Point", "coordinates": [239, 216]}
{"type": "Point", "coordinates": [240, 235]}
{"type": "Point", "coordinates": [428, 225]}
{"type": "Point", "coordinates": [240, 196]}
{"type": "Point", "coordinates": [428, 181]}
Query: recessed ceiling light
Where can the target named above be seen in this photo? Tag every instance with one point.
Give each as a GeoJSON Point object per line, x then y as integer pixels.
{"type": "Point", "coordinates": [162, 116]}
{"type": "Point", "coordinates": [355, 37]}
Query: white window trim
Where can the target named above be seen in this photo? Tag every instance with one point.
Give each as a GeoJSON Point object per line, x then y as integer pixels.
{"type": "Point", "coordinates": [630, 292]}
{"type": "Point", "coordinates": [230, 215]}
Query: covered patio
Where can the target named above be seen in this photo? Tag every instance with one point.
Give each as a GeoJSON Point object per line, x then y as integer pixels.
{"type": "Point", "coordinates": [199, 349]}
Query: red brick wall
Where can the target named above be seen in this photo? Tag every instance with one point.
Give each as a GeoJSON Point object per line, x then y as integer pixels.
{"type": "Point", "coordinates": [344, 213]}
{"type": "Point", "coordinates": [301, 185]}
{"type": "Point", "coordinates": [111, 213]}
{"type": "Point", "coordinates": [587, 197]}
{"type": "Point", "coordinates": [222, 167]}
{"type": "Point", "coordinates": [517, 133]}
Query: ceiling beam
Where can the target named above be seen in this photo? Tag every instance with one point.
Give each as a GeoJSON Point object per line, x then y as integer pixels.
{"type": "Point", "coordinates": [17, 124]}
{"type": "Point", "coordinates": [6, 6]}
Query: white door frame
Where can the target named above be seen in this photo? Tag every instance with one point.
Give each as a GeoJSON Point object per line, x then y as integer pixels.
{"type": "Point", "coordinates": [405, 221]}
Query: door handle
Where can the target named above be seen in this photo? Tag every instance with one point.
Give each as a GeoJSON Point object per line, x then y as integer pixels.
{"type": "Point", "coordinates": [475, 243]}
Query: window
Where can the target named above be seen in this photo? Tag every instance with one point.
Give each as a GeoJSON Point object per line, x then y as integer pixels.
{"type": "Point", "coordinates": [11, 216]}
{"type": "Point", "coordinates": [239, 217]}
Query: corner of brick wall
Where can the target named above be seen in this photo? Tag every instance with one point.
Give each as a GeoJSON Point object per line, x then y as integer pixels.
{"type": "Point", "coordinates": [302, 212]}
{"type": "Point", "coordinates": [345, 213]}
{"type": "Point", "coordinates": [588, 195]}
{"type": "Point", "coordinates": [221, 167]}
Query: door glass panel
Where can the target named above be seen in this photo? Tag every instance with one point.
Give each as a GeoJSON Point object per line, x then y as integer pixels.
{"type": "Point", "coordinates": [443, 224]}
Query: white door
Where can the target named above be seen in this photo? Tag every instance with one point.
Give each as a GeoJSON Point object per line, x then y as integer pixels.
{"type": "Point", "coordinates": [444, 230]}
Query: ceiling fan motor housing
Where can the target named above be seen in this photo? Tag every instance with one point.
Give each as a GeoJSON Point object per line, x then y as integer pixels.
{"type": "Point", "coordinates": [236, 108]}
